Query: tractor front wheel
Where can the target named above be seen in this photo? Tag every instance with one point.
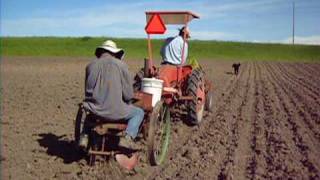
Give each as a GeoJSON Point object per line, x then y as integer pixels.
{"type": "Point", "coordinates": [196, 90]}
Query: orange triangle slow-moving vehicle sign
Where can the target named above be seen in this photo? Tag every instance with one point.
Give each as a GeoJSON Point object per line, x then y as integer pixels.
{"type": "Point", "coordinates": [155, 25]}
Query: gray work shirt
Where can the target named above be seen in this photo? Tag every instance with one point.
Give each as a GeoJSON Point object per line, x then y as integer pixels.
{"type": "Point", "coordinates": [108, 88]}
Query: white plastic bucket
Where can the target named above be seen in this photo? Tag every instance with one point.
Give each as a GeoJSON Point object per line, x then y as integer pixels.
{"type": "Point", "coordinates": [154, 87]}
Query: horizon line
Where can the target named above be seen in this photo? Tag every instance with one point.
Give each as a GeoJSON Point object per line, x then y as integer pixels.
{"type": "Point", "coordinates": [140, 38]}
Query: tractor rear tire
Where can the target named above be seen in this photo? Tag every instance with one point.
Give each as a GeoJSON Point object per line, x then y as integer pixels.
{"type": "Point", "coordinates": [196, 106]}
{"type": "Point", "coordinates": [158, 134]}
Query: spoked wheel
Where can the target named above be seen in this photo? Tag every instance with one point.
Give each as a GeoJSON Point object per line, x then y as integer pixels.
{"type": "Point", "coordinates": [196, 89]}
{"type": "Point", "coordinates": [94, 142]}
{"type": "Point", "coordinates": [79, 123]}
{"type": "Point", "coordinates": [159, 134]}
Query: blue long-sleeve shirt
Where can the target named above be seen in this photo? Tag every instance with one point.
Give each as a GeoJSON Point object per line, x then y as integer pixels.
{"type": "Point", "coordinates": [171, 51]}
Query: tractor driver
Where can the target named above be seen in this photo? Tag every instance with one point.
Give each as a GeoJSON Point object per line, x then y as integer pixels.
{"type": "Point", "coordinates": [171, 51]}
{"type": "Point", "coordinates": [108, 91]}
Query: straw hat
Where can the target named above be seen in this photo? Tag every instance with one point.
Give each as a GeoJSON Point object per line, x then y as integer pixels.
{"type": "Point", "coordinates": [112, 47]}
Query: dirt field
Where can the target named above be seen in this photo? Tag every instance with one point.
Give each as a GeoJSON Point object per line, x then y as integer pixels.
{"type": "Point", "coordinates": [265, 124]}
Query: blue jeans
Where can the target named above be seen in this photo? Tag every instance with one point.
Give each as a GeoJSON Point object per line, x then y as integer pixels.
{"type": "Point", "coordinates": [135, 118]}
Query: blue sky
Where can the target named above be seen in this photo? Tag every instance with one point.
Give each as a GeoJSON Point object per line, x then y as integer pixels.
{"type": "Point", "coordinates": [245, 20]}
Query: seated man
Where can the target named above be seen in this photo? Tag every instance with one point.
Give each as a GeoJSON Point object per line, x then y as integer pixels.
{"type": "Point", "coordinates": [171, 51]}
{"type": "Point", "coordinates": [109, 89]}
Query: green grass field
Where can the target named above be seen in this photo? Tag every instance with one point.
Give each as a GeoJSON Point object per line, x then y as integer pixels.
{"type": "Point", "coordinates": [137, 49]}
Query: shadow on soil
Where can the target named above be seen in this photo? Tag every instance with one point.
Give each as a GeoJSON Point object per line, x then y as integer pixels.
{"type": "Point", "coordinates": [184, 117]}
{"type": "Point", "coordinates": [185, 120]}
{"type": "Point", "coordinates": [181, 115]}
{"type": "Point", "coordinates": [57, 146]}
{"type": "Point", "coordinates": [68, 151]}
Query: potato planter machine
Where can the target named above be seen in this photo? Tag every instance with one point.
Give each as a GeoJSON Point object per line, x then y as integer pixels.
{"type": "Point", "coordinates": [157, 90]}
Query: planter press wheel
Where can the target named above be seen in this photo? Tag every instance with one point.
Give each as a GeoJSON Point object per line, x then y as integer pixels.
{"type": "Point", "coordinates": [159, 134]}
{"type": "Point", "coordinates": [196, 89]}
{"type": "Point", "coordinates": [79, 123]}
{"type": "Point", "coordinates": [93, 138]}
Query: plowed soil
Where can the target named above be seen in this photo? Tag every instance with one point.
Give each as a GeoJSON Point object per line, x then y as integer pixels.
{"type": "Point", "coordinates": [265, 124]}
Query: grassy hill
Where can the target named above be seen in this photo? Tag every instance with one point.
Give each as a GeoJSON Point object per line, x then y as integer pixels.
{"type": "Point", "coordinates": [137, 49]}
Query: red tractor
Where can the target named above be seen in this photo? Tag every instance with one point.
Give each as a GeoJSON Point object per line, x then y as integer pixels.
{"type": "Point", "coordinates": [179, 85]}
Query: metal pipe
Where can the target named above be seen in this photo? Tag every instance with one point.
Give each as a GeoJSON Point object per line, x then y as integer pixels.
{"type": "Point", "coordinates": [183, 49]}
{"type": "Point", "coordinates": [146, 68]}
{"type": "Point", "coordinates": [184, 38]}
{"type": "Point", "coordinates": [150, 61]}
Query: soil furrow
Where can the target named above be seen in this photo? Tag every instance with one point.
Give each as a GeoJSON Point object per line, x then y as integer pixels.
{"type": "Point", "coordinates": [293, 155]}
{"type": "Point", "coordinates": [276, 146]}
{"type": "Point", "coordinates": [219, 123]}
{"type": "Point", "coordinates": [227, 166]}
{"type": "Point", "coordinates": [222, 117]}
{"type": "Point", "coordinates": [304, 75]}
{"type": "Point", "coordinates": [299, 142]}
{"type": "Point", "coordinates": [313, 71]}
{"type": "Point", "coordinates": [307, 112]}
{"type": "Point", "coordinates": [304, 68]}
{"type": "Point", "coordinates": [264, 124]}
{"type": "Point", "coordinates": [310, 90]}
{"type": "Point", "coordinates": [257, 163]}
{"type": "Point", "coordinates": [242, 153]}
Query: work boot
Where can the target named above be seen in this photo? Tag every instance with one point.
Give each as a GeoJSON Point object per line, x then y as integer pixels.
{"type": "Point", "coordinates": [128, 142]}
{"type": "Point", "coordinates": [84, 140]}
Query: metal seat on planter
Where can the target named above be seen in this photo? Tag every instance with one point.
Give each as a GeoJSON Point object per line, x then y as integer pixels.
{"type": "Point", "coordinates": [104, 129]}
{"type": "Point", "coordinates": [102, 125]}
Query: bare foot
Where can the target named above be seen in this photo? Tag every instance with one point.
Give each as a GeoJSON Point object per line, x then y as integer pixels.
{"type": "Point", "coordinates": [125, 162]}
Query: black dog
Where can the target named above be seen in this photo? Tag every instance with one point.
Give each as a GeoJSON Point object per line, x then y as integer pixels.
{"type": "Point", "coordinates": [236, 68]}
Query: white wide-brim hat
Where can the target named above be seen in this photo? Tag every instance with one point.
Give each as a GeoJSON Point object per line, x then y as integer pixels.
{"type": "Point", "coordinates": [111, 46]}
